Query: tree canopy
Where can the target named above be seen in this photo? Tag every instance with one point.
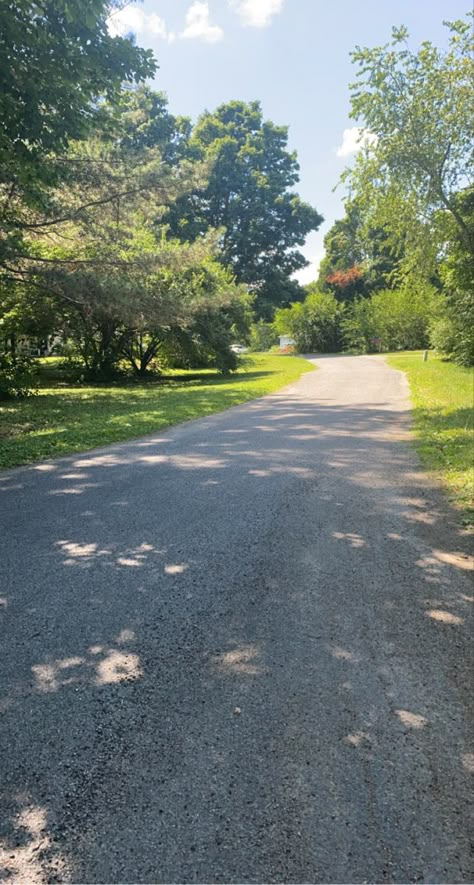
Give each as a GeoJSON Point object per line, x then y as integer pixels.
{"type": "Point", "coordinates": [401, 259]}
{"type": "Point", "coordinates": [57, 61]}
{"type": "Point", "coordinates": [419, 109]}
{"type": "Point", "coordinates": [249, 194]}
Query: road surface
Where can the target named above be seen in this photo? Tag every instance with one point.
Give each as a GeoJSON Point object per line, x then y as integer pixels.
{"type": "Point", "coordinates": [237, 651]}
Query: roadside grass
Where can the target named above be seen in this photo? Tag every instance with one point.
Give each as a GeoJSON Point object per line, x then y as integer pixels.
{"type": "Point", "coordinates": [62, 419]}
{"type": "Point", "coordinates": [443, 399]}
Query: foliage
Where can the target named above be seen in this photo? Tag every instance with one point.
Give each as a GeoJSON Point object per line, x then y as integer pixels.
{"type": "Point", "coordinates": [314, 324]}
{"type": "Point", "coordinates": [108, 271]}
{"type": "Point", "coordinates": [392, 319]}
{"type": "Point", "coordinates": [71, 61]}
{"type": "Point", "coordinates": [457, 275]}
{"type": "Point", "coordinates": [215, 322]}
{"type": "Point", "coordinates": [250, 196]}
{"type": "Point", "coordinates": [142, 120]}
{"type": "Point", "coordinates": [17, 376]}
{"type": "Point", "coordinates": [442, 335]}
{"type": "Point", "coordinates": [408, 185]}
{"type": "Point", "coordinates": [358, 256]}
{"type": "Point", "coordinates": [345, 284]}
{"type": "Point", "coordinates": [417, 107]}
{"type": "Point", "coordinates": [262, 336]}
{"type": "Point", "coordinates": [57, 62]}
{"type": "Point", "coordinates": [62, 419]}
{"type": "Point", "coordinates": [123, 230]}
{"type": "Point", "coordinates": [444, 422]}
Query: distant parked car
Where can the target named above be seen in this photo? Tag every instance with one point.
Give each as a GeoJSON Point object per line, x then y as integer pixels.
{"type": "Point", "coordinates": [238, 348]}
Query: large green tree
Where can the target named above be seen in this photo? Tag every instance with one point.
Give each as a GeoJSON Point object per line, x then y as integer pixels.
{"type": "Point", "coordinates": [142, 120]}
{"type": "Point", "coordinates": [250, 196]}
{"type": "Point", "coordinates": [412, 178]}
{"type": "Point", "coordinates": [58, 63]}
{"type": "Point", "coordinates": [419, 108]}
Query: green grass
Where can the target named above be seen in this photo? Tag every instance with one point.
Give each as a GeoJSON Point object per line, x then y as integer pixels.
{"type": "Point", "coordinates": [442, 396]}
{"type": "Point", "coordinates": [62, 419]}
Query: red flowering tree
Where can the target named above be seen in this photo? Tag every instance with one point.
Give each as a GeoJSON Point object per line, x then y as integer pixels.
{"type": "Point", "coordinates": [346, 284]}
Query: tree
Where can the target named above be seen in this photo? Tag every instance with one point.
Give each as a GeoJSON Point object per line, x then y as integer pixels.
{"type": "Point", "coordinates": [250, 196]}
{"type": "Point", "coordinates": [116, 280]}
{"type": "Point", "coordinates": [413, 179]}
{"type": "Point", "coordinates": [57, 59]}
{"type": "Point", "coordinates": [57, 64]}
{"type": "Point", "coordinates": [346, 284]}
{"type": "Point", "coordinates": [263, 336]}
{"type": "Point", "coordinates": [192, 314]}
{"type": "Point", "coordinates": [313, 323]}
{"type": "Point", "coordinates": [358, 255]}
{"type": "Point", "coordinates": [453, 334]}
{"type": "Point", "coordinates": [142, 120]}
{"type": "Point", "coordinates": [418, 108]}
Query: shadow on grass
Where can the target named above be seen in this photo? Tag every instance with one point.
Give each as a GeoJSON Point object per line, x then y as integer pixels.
{"type": "Point", "coordinates": [455, 419]}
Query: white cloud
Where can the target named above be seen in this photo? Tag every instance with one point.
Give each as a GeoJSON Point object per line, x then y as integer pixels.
{"type": "Point", "coordinates": [198, 25]}
{"type": "Point", "coordinates": [354, 139]}
{"type": "Point", "coordinates": [156, 25]}
{"type": "Point", "coordinates": [133, 20]}
{"type": "Point", "coordinates": [256, 13]}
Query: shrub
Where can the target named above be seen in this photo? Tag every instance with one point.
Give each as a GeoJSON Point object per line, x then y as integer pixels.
{"type": "Point", "coordinates": [443, 336]}
{"type": "Point", "coordinates": [393, 319]}
{"type": "Point", "coordinates": [314, 323]}
{"type": "Point", "coordinates": [18, 376]}
{"type": "Point", "coordinates": [262, 336]}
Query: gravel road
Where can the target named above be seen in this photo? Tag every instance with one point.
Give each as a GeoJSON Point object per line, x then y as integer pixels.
{"type": "Point", "coordinates": [237, 651]}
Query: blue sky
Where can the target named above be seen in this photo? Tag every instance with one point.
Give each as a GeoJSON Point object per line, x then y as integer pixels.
{"type": "Point", "coordinates": [293, 56]}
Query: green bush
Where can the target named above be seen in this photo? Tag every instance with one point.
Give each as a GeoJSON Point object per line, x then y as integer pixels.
{"type": "Point", "coordinates": [313, 323]}
{"type": "Point", "coordinates": [262, 337]}
{"type": "Point", "coordinates": [453, 335]}
{"type": "Point", "coordinates": [393, 319]}
{"type": "Point", "coordinates": [18, 376]}
{"type": "Point", "coordinates": [443, 336]}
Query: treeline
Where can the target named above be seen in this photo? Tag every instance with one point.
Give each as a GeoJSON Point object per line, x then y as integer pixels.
{"type": "Point", "coordinates": [398, 271]}
{"type": "Point", "coordinates": [128, 235]}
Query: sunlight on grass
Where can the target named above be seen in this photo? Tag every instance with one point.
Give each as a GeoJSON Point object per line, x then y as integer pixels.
{"type": "Point", "coordinates": [60, 420]}
{"type": "Point", "coordinates": [443, 400]}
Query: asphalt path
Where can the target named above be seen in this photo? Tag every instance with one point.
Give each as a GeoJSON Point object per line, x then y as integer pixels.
{"type": "Point", "coordinates": [237, 651]}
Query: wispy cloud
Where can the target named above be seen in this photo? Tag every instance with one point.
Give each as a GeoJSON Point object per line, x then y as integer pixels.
{"type": "Point", "coordinates": [198, 24]}
{"type": "Point", "coordinates": [353, 140]}
{"type": "Point", "coordinates": [132, 20]}
{"type": "Point", "coordinates": [256, 13]}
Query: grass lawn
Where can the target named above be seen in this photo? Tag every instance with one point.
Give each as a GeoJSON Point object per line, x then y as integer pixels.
{"type": "Point", "coordinates": [443, 400]}
{"type": "Point", "coordinates": [63, 419]}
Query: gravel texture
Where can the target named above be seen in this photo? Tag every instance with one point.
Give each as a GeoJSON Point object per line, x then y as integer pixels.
{"type": "Point", "coordinates": [237, 651]}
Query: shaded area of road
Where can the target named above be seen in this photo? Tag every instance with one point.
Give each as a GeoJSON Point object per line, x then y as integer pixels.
{"type": "Point", "coordinates": [237, 651]}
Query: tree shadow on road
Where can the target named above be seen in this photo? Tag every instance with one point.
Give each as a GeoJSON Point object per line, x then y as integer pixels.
{"type": "Point", "coordinates": [291, 678]}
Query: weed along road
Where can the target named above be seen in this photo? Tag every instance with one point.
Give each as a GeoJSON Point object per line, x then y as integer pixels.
{"type": "Point", "coordinates": [237, 651]}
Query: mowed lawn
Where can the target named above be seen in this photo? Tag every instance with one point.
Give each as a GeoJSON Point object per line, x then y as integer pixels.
{"type": "Point", "coordinates": [443, 401]}
{"type": "Point", "coordinates": [63, 419]}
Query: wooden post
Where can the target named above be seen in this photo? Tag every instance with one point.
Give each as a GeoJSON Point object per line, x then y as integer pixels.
{"type": "Point", "coordinates": [425, 356]}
